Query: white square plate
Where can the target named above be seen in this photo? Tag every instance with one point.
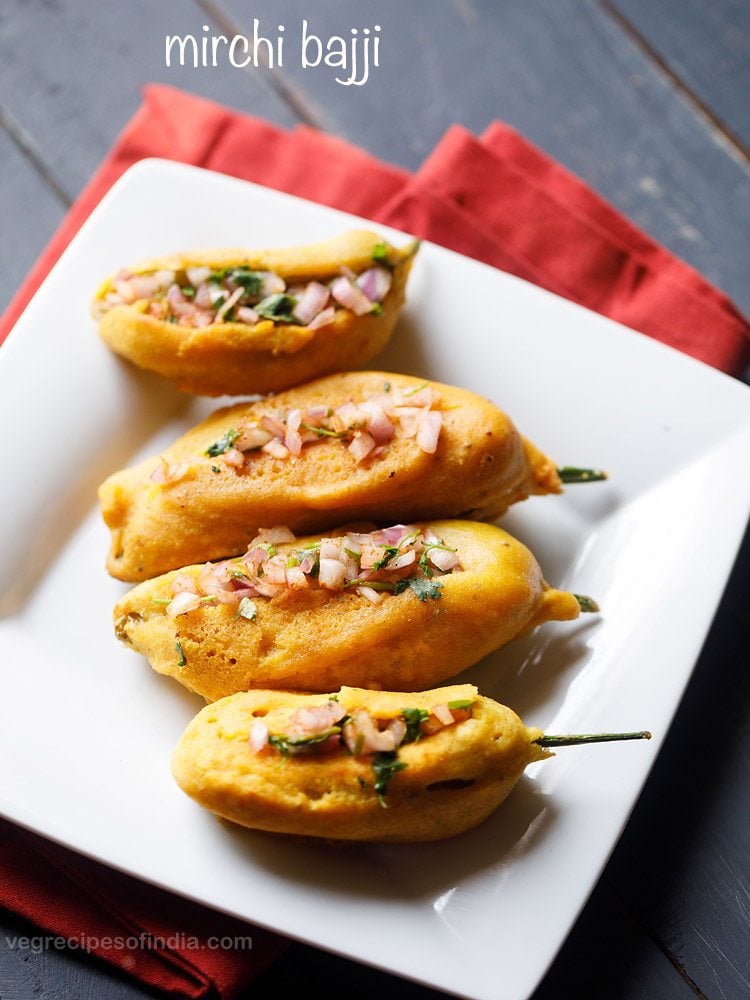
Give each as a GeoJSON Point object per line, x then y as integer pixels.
{"type": "Point", "coordinates": [87, 729]}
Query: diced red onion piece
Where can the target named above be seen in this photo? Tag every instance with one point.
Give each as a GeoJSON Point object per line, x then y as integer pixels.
{"type": "Point", "coordinates": [276, 448]}
{"type": "Point", "coordinates": [251, 438]}
{"type": "Point", "coordinates": [378, 424]}
{"type": "Point", "coordinates": [266, 589]}
{"type": "Point", "coordinates": [350, 296]}
{"type": "Point", "coordinates": [258, 735]}
{"type": "Point", "coordinates": [405, 559]}
{"type": "Point", "coordinates": [330, 548]}
{"type": "Point", "coordinates": [182, 603]}
{"type": "Point", "coordinates": [375, 282]}
{"type": "Point", "coordinates": [442, 560]}
{"type": "Point", "coordinates": [361, 445]}
{"type": "Point", "coordinates": [197, 275]}
{"type": "Point", "coordinates": [443, 714]}
{"type": "Point", "coordinates": [203, 297]}
{"type": "Point", "coordinates": [332, 574]}
{"type": "Point", "coordinates": [295, 578]}
{"type": "Point", "coordinates": [424, 397]}
{"type": "Point", "coordinates": [234, 457]}
{"type": "Point", "coordinates": [164, 278]}
{"type": "Point", "coordinates": [408, 418]}
{"type": "Point", "coordinates": [428, 431]}
{"type": "Point", "coordinates": [322, 319]}
{"type": "Point", "coordinates": [312, 720]}
{"type": "Point", "coordinates": [274, 569]}
{"type": "Point", "coordinates": [273, 425]}
{"type": "Point", "coordinates": [394, 534]}
{"type": "Point", "coordinates": [373, 596]}
{"type": "Point", "coordinates": [272, 284]}
{"type": "Point", "coordinates": [313, 300]}
{"type": "Point", "coordinates": [247, 315]}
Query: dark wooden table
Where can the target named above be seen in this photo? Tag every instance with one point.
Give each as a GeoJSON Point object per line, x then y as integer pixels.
{"type": "Point", "coordinates": [648, 100]}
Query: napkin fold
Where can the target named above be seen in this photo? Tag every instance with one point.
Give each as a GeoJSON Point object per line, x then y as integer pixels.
{"type": "Point", "coordinates": [496, 198]}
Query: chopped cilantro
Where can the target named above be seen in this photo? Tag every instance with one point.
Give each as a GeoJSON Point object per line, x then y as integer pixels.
{"type": "Point", "coordinates": [356, 556]}
{"type": "Point", "coordinates": [215, 468]}
{"type": "Point", "coordinates": [323, 431]}
{"type": "Point", "coordinates": [390, 552]}
{"type": "Point", "coordinates": [385, 765]}
{"type": "Point", "coordinates": [162, 600]}
{"type": "Point", "coordinates": [461, 703]}
{"type": "Point", "coordinates": [182, 661]}
{"type": "Point", "coordinates": [292, 560]}
{"type": "Point", "coordinates": [188, 291]}
{"type": "Point", "coordinates": [362, 782]}
{"type": "Point", "coordinates": [251, 281]}
{"type": "Point", "coordinates": [377, 309]}
{"type": "Point", "coordinates": [278, 308]}
{"type": "Point", "coordinates": [416, 389]}
{"type": "Point", "coordinates": [424, 564]}
{"type": "Point", "coordinates": [386, 386]}
{"type": "Point", "coordinates": [414, 717]}
{"type": "Point", "coordinates": [270, 549]}
{"type": "Point", "coordinates": [171, 319]}
{"type": "Point", "coordinates": [290, 745]}
{"type": "Point", "coordinates": [223, 444]}
{"type": "Point", "coordinates": [422, 587]}
{"type": "Point", "coordinates": [380, 254]}
{"type": "Point", "coordinates": [218, 276]}
{"type": "Point", "coordinates": [247, 610]}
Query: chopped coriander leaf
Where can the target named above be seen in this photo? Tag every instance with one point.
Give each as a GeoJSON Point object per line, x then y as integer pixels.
{"type": "Point", "coordinates": [218, 302]}
{"type": "Point", "coordinates": [377, 585]}
{"type": "Point", "coordinates": [377, 309]}
{"type": "Point", "coordinates": [247, 609]}
{"type": "Point", "coordinates": [215, 468]}
{"type": "Point", "coordinates": [208, 598]}
{"type": "Point", "coordinates": [310, 546]}
{"type": "Point", "coordinates": [188, 291]}
{"type": "Point", "coordinates": [414, 717]}
{"type": "Point", "coordinates": [219, 276]}
{"type": "Point", "coordinates": [424, 564]}
{"type": "Point", "coordinates": [251, 281]}
{"type": "Point", "coordinates": [289, 745]}
{"type": "Point", "coordinates": [277, 307]}
{"type": "Point", "coordinates": [270, 549]}
{"type": "Point", "coordinates": [292, 560]}
{"type": "Point", "coordinates": [171, 319]}
{"type": "Point", "coordinates": [385, 765]}
{"type": "Point", "coordinates": [380, 253]}
{"type": "Point", "coordinates": [391, 551]}
{"type": "Point", "coordinates": [323, 431]}
{"type": "Point", "coordinates": [461, 703]}
{"type": "Point", "coordinates": [356, 556]}
{"type": "Point", "coordinates": [162, 600]}
{"type": "Point", "coordinates": [223, 444]}
{"type": "Point", "coordinates": [362, 782]}
{"type": "Point", "coordinates": [238, 574]}
{"type": "Point", "coordinates": [416, 389]}
{"type": "Point", "coordinates": [181, 661]}
{"type": "Point", "coordinates": [422, 588]}
{"type": "Point", "coordinates": [386, 387]}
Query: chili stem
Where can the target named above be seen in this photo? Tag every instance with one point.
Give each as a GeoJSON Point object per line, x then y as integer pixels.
{"type": "Point", "coordinates": [572, 474]}
{"type": "Point", "coordinates": [587, 604]}
{"type": "Point", "coordinates": [570, 741]}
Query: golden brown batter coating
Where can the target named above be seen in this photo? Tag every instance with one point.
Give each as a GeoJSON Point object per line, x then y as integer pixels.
{"type": "Point", "coordinates": [235, 358]}
{"type": "Point", "coordinates": [480, 467]}
{"type": "Point", "coordinates": [452, 779]}
{"type": "Point", "coordinates": [316, 639]}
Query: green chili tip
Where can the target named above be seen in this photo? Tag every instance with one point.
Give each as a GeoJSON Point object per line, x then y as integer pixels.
{"type": "Point", "coordinates": [570, 741]}
{"type": "Point", "coordinates": [587, 604]}
{"type": "Point", "coordinates": [572, 474]}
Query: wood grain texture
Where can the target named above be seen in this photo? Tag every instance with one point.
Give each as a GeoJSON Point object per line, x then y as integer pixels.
{"type": "Point", "coordinates": [71, 73]}
{"type": "Point", "coordinates": [707, 45]}
{"type": "Point", "coordinates": [566, 76]}
{"type": "Point", "coordinates": [28, 209]}
{"type": "Point", "coordinates": [684, 859]}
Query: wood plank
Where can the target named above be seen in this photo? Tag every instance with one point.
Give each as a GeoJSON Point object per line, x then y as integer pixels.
{"type": "Point", "coordinates": [684, 859]}
{"type": "Point", "coordinates": [27, 969]}
{"type": "Point", "coordinates": [566, 76]}
{"type": "Point", "coordinates": [707, 45]}
{"type": "Point", "coordinates": [72, 76]}
{"type": "Point", "coordinates": [30, 210]}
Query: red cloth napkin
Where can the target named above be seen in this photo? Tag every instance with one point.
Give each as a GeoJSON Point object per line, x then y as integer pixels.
{"type": "Point", "coordinates": [496, 198]}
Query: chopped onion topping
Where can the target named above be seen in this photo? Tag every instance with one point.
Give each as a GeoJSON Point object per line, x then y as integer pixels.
{"type": "Point", "coordinates": [173, 472]}
{"type": "Point", "coordinates": [200, 296]}
{"type": "Point", "coordinates": [258, 735]}
{"type": "Point", "coordinates": [366, 427]}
